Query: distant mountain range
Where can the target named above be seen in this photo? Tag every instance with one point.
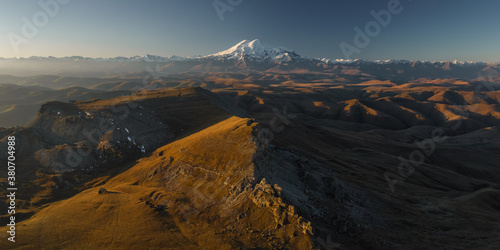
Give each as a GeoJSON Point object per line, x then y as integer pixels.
{"type": "Point", "coordinates": [245, 50]}
{"type": "Point", "coordinates": [245, 57]}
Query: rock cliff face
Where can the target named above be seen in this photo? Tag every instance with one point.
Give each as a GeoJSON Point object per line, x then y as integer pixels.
{"type": "Point", "coordinates": [91, 138]}
{"type": "Point", "coordinates": [316, 192]}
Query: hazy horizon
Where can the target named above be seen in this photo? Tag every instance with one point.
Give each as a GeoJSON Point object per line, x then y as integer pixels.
{"type": "Point", "coordinates": [418, 30]}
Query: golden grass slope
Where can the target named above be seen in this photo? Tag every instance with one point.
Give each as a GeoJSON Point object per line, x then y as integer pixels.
{"type": "Point", "coordinates": [197, 192]}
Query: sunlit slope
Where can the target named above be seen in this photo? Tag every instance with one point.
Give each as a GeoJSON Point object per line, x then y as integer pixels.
{"type": "Point", "coordinates": [197, 192]}
{"type": "Point", "coordinates": [124, 129]}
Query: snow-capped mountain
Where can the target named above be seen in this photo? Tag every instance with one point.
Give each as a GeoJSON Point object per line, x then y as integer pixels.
{"type": "Point", "coordinates": [248, 56]}
{"type": "Point", "coordinates": [256, 50]}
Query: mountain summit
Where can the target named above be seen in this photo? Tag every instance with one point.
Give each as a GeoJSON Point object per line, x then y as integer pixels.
{"type": "Point", "coordinates": [256, 49]}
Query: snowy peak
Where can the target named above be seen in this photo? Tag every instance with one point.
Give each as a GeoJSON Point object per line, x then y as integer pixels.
{"type": "Point", "coordinates": [256, 49]}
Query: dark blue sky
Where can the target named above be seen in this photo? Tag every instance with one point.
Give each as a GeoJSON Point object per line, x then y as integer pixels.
{"type": "Point", "coordinates": [425, 29]}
